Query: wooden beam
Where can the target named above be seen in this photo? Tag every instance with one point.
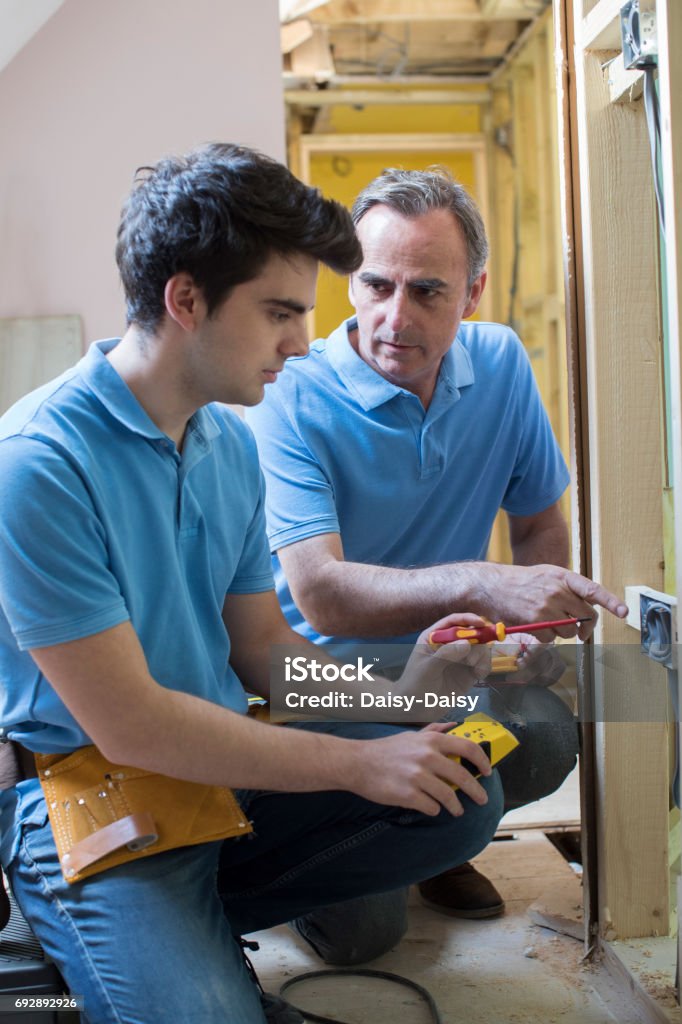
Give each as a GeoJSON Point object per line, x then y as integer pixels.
{"type": "Point", "coordinates": [313, 58]}
{"type": "Point", "coordinates": [624, 399]}
{"type": "Point", "coordinates": [363, 12]}
{"type": "Point", "coordinates": [669, 27]}
{"type": "Point", "coordinates": [292, 9]}
{"type": "Point", "coordinates": [624, 85]}
{"type": "Point", "coordinates": [511, 8]}
{"type": "Point", "coordinates": [295, 33]}
{"type": "Point", "coordinates": [566, 56]}
{"type": "Point", "coordinates": [646, 972]}
{"type": "Point", "coordinates": [370, 97]}
{"type": "Point", "coordinates": [408, 142]}
{"type": "Point", "coordinates": [395, 81]}
{"type": "Point", "coordinates": [600, 29]}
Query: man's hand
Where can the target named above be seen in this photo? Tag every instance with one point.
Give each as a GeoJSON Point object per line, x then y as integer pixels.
{"type": "Point", "coordinates": [454, 667]}
{"type": "Point", "coordinates": [525, 594]}
{"type": "Point", "coordinates": [416, 770]}
{"type": "Point", "coordinates": [537, 663]}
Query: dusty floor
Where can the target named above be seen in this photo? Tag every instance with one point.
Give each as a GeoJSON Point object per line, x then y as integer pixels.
{"type": "Point", "coordinates": [503, 971]}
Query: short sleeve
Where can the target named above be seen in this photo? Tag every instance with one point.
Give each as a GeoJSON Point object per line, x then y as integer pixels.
{"type": "Point", "coordinates": [539, 475]}
{"type": "Point", "coordinates": [56, 584]}
{"type": "Point", "coordinates": [300, 501]}
{"type": "Point", "coordinates": [254, 571]}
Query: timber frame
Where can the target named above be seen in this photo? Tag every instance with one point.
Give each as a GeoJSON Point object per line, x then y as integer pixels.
{"type": "Point", "coordinates": [616, 380]}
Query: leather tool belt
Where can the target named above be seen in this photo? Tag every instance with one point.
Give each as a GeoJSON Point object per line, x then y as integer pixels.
{"type": "Point", "coordinates": [104, 814]}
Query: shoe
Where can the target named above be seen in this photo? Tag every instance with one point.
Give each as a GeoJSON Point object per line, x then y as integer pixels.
{"type": "Point", "coordinates": [462, 892]}
{"type": "Point", "coordinates": [275, 1009]}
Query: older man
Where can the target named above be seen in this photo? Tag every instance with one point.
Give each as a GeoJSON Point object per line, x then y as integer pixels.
{"type": "Point", "coordinates": [388, 452]}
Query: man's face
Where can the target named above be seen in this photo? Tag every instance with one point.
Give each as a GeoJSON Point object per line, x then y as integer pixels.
{"type": "Point", "coordinates": [244, 344]}
{"type": "Point", "coordinates": [410, 294]}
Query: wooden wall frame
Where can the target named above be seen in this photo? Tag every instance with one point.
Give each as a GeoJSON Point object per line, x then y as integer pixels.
{"type": "Point", "coordinates": [616, 390]}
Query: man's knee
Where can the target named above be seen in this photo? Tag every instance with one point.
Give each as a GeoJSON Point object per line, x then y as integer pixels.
{"type": "Point", "coordinates": [548, 745]}
{"type": "Point", "coordinates": [355, 931]}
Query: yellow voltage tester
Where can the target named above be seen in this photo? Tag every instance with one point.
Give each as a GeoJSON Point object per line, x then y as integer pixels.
{"type": "Point", "coordinates": [494, 740]}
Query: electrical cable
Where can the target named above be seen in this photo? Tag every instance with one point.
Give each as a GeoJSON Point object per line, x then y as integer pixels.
{"type": "Point", "coordinates": [424, 994]}
{"type": "Point", "coordinates": [653, 121]}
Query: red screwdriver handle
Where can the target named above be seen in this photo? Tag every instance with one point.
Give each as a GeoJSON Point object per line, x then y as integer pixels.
{"type": "Point", "coordinates": [491, 632]}
{"type": "Point", "coordinates": [474, 634]}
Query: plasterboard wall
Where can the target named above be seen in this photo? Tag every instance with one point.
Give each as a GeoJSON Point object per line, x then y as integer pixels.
{"type": "Point", "coordinates": [100, 90]}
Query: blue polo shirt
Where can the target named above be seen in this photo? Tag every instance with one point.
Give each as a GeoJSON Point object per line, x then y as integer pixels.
{"type": "Point", "coordinates": [345, 451]}
{"type": "Point", "coordinates": [104, 521]}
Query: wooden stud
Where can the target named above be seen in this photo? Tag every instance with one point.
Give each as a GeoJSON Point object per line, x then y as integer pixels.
{"type": "Point", "coordinates": [383, 97]}
{"type": "Point", "coordinates": [669, 28]}
{"type": "Point", "coordinates": [623, 405]}
{"type": "Point", "coordinates": [294, 34]}
{"type": "Point", "coordinates": [600, 29]}
{"type": "Point", "coordinates": [624, 85]}
{"type": "Point", "coordinates": [313, 58]}
{"type": "Point", "coordinates": [362, 12]}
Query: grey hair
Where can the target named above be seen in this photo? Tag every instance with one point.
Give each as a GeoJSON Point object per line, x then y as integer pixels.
{"type": "Point", "coordinates": [414, 193]}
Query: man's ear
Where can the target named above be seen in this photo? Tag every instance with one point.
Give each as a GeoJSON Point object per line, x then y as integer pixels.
{"type": "Point", "coordinates": [475, 295]}
{"type": "Point", "coordinates": [184, 300]}
{"type": "Point", "coordinates": [351, 296]}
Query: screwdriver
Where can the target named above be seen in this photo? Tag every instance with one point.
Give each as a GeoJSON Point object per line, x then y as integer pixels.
{"type": "Point", "coordinates": [493, 631]}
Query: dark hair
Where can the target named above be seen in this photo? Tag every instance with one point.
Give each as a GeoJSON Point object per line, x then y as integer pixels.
{"type": "Point", "coordinates": [414, 193]}
{"type": "Point", "coordinates": [218, 214]}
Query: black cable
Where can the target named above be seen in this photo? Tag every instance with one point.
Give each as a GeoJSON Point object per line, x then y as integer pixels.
{"type": "Point", "coordinates": [397, 978]}
{"type": "Point", "coordinates": [654, 126]}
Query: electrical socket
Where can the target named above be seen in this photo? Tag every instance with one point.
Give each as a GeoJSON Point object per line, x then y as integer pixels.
{"type": "Point", "coordinates": [654, 614]}
{"type": "Point", "coordinates": [633, 595]}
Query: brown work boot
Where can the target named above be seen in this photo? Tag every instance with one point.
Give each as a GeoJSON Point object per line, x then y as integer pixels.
{"type": "Point", "coordinates": [462, 892]}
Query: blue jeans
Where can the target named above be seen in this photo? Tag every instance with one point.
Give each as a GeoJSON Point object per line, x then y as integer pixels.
{"type": "Point", "coordinates": [153, 940]}
{"type": "Point", "coordinates": [357, 931]}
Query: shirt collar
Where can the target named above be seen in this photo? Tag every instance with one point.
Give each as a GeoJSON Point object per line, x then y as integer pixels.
{"type": "Point", "coordinates": [371, 389]}
{"type": "Point", "coordinates": [117, 398]}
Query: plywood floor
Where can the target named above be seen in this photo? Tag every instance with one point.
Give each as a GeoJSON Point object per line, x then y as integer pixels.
{"type": "Point", "coordinates": [504, 971]}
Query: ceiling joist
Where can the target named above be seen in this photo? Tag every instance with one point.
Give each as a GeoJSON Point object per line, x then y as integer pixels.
{"type": "Point", "coordinates": [364, 12]}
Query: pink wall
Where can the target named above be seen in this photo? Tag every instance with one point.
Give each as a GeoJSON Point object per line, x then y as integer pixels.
{"type": "Point", "coordinates": [103, 88]}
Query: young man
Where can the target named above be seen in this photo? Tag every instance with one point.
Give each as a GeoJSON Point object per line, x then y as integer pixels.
{"type": "Point", "coordinates": [388, 452]}
{"type": "Point", "coordinates": [138, 604]}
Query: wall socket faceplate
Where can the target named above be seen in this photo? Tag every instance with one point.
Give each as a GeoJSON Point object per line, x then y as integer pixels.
{"type": "Point", "coordinates": [633, 596]}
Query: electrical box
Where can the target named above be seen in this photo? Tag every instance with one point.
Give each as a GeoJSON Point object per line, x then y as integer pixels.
{"type": "Point", "coordinates": [654, 614]}
{"type": "Point", "coordinates": [638, 33]}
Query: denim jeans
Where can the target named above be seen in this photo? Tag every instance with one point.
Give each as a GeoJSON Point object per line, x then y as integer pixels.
{"type": "Point", "coordinates": [362, 929]}
{"type": "Point", "coordinates": [153, 940]}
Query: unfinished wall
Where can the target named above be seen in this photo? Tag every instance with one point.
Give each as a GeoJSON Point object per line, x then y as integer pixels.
{"type": "Point", "coordinates": [100, 90]}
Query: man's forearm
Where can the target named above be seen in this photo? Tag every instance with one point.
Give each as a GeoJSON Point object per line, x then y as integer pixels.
{"type": "Point", "coordinates": [361, 600]}
{"type": "Point", "coordinates": [354, 599]}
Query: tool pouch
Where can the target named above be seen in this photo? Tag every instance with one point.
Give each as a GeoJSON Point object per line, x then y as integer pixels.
{"type": "Point", "coordinates": [104, 814]}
